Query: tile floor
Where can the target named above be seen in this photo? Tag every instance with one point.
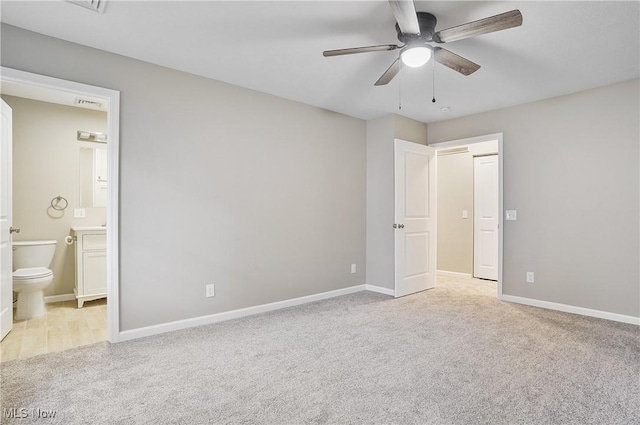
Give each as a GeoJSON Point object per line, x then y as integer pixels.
{"type": "Point", "coordinates": [65, 326]}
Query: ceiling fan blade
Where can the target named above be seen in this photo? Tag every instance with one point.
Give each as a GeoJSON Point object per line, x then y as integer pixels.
{"type": "Point", "coordinates": [353, 50]}
{"type": "Point", "coordinates": [388, 75]}
{"type": "Point", "coordinates": [405, 14]}
{"type": "Point", "coordinates": [455, 62]}
{"type": "Point", "coordinates": [483, 26]}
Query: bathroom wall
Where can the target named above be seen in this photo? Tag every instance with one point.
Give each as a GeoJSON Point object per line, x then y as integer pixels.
{"type": "Point", "coordinates": [262, 196]}
{"type": "Point", "coordinates": [46, 164]}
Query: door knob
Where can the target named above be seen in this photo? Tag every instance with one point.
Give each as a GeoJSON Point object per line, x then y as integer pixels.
{"type": "Point", "coordinates": [12, 230]}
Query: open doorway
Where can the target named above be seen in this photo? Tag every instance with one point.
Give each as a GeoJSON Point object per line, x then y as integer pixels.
{"type": "Point", "coordinates": [469, 208]}
{"type": "Point", "coordinates": [96, 200]}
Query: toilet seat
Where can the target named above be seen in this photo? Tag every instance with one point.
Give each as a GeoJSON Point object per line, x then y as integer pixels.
{"type": "Point", "coordinates": [32, 273]}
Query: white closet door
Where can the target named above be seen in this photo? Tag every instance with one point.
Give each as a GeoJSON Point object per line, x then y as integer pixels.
{"type": "Point", "coordinates": [486, 215]}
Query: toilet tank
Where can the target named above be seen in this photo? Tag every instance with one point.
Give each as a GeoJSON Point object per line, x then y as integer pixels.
{"type": "Point", "coordinates": [33, 253]}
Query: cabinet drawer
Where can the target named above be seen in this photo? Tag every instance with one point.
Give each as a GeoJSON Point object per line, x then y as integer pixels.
{"type": "Point", "coordinates": [94, 242]}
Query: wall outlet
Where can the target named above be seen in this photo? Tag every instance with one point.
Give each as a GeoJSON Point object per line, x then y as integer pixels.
{"type": "Point", "coordinates": [511, 215]}
{"type": "Point", "coordinates": [353, 268]}
{"type": "Point", "coordinates": [530, 277]}
{"type": "Point", "coordinates": [211, 291]}
{"type": "Point", "coordinates": [78, 213]}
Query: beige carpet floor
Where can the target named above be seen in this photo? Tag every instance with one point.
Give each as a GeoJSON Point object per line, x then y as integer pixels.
{"type": "Point", "coordinates": [450, 355]}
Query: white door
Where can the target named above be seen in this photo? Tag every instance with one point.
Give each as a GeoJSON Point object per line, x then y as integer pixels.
{"type": "Point", "coordinates": [415, 217]}
{"type": "Point", "coordinates": [486, 214]}
{"type": "Point", "coordinates": [6, 281]}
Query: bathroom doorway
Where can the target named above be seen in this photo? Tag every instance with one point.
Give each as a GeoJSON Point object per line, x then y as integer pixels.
{"type": "Point", "coordinates": [91, 206]}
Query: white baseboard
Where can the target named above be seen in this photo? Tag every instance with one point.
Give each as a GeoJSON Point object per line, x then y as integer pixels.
{"type": "Point", "coordinates": [455, 274]}
{"type": "Point", "coordinates": [379, 289]}
{"type": "Point", "coordinates": [234, 314]}
{"type": "Point", "coordinates": [59, 298]}
{"type": "Point", "coordinates": [264, 308]}
{"type": "Point", "coordinates": [572, 309]}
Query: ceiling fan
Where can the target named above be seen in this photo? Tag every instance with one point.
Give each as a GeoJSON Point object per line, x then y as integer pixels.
{"type": "Point", "coordinates": [417, 29]}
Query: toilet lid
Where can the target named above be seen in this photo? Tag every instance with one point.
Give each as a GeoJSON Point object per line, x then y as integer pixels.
{"type": "Point", "coordinates": [32, 273]}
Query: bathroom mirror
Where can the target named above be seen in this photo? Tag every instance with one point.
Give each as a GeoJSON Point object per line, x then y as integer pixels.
{"type": "Point", "coordinates": [93, 175]}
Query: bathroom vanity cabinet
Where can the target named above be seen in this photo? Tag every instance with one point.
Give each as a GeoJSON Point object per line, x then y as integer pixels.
{"type": "Point", "coordinates": [91, 263]}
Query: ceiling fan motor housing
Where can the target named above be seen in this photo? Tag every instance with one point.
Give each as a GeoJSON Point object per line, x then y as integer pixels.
{"type": "Point", "coordinates": [427, 24]}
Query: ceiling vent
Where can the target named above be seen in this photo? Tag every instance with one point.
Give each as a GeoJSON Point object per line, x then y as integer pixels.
{"type": "Point", "coordinates": [87, 103]}
{"type": "Point", "coordinates": [95, 5]}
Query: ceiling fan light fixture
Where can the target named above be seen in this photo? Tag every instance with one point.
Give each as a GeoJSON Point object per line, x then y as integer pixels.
{"type": "Point", "coordinates": [415, 56]}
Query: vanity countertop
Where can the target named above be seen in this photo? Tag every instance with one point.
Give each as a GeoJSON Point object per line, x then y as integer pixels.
{"type": "Point", "coordinates": [88, 228]}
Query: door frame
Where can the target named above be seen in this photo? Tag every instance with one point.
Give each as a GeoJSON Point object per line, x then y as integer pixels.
{"type": "Point", "coordinates": [112, 97]}
{"type": "Point", "coordinates": [480, 139]}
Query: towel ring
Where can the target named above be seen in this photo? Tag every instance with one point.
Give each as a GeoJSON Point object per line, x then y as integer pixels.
{"type": "Point", "coordinates": [55, 203]}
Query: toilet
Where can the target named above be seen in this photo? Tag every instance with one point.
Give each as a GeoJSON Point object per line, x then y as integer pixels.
{"type": "Point", "coordinates": [31, 276]}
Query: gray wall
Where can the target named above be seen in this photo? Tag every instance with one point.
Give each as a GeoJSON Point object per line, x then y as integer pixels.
{"type": "Point", "coordinates": [262, 196]}
{"type": "Point", "coordinates": [380, 200]}
{"type": "Point", "coordinates": [571, 170]}
{"type": "Point", "coordinates": [45, 164]}
{"type": "Point", "coordinates": [409, 130]}
{"type": "Point", "coordinates": [380, 134]}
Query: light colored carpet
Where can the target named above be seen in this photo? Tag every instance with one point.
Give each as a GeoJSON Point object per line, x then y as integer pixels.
{"type": "Point", "coordinates": [451, 355]}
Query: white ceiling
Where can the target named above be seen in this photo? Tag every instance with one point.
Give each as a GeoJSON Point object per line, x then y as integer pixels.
{"type": "Point", "coordinates": [276, 47]}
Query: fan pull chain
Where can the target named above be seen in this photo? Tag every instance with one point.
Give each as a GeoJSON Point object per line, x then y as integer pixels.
{"type": "Point", "coordinates": [400, 88]}
{"type": "Point", "coordinates": [433, 74]}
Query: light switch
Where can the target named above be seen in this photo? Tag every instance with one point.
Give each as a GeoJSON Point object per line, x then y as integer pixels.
{"type": "Point", "coordinates": [511, 215]}
{"type": "Point", "coordinates": [465, 214]}
{"type": "Point", "coordinates": [78, 213]}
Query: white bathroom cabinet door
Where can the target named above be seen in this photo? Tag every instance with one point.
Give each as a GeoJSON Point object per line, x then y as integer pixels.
{"type": "Point", "coordinates": [91, 264]}
{"type": "Point", "coordinates": [94, 272]}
